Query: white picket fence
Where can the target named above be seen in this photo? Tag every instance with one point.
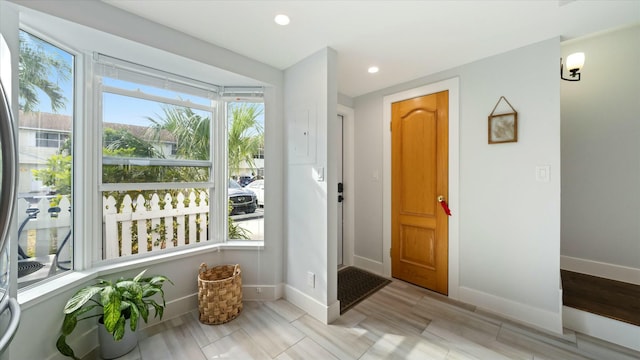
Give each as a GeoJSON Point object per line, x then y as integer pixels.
{"type": "Point", "coordinates": [43, 233]}
{"type": "Point", "coordinates": [143, 226]}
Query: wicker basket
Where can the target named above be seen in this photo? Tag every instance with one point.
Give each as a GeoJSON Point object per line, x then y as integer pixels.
{"type": "Point", "coordinates": [219, 293]}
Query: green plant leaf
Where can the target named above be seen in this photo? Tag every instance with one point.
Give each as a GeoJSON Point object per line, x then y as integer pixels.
{"type": "Point", "coordinates": [143, 309]}
{"type": "Point", "coordinates": [80, 298]}
{"type": "Point", "coordinates": [129, 289]}
{"type": "Point", "coordinates": [159, 279]}
{"type": "Point", "coordinates": [150, 291]}
{"type": "Point", "coordinates": [118, 331]}
{"type": "Point", "coordinates": [111, 302]}
{"type": "Point", "coordinates": [64, 348]}
{"type": "Point", "coordinates": [139, 276]}
{"type": "Point", "coordinates": [159, 309]}
{"type": "Point", "coordinates": [69, 323]}
{"type": "Point", "coordinates": [85, 309]}
{"type": "Point", "coordinates": [135, 314]}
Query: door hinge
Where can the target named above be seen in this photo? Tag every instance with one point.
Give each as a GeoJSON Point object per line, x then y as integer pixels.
{"type": "Point", "coordinates": [390, 126]}
{"type": "Point", "coordinates": [390, 253]}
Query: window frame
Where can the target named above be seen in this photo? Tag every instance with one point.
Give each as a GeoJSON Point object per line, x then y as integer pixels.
{"type": "Point", "coordinates": [131, 73]}
{"type": "Point", "coordinates": [247, 95]}
{"type": "Point", "coordinates": [87, 263]}
{"type": "Point", "coordinates": [76, 102]}
{"type": "Point", "coordinates": [60, 137]}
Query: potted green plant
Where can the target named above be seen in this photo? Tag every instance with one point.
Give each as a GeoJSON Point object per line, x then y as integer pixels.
{"type": "Point", "coordinates": [119, 305]}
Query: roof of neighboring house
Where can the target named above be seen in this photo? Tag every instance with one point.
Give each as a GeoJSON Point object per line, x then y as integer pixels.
{"type": "Point", "coordinates": [44, 121]}
{"type": "Point", "coordinates": [59, 122]}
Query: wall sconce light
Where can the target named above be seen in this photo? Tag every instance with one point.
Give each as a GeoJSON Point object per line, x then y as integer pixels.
{"type": "Point", "coordinates": [575, 62]}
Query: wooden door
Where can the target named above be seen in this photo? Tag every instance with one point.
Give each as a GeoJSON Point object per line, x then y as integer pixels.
{"type": "Point", "coordinates": [419, 173]}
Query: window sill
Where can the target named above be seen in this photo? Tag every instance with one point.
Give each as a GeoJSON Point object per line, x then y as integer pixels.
{"type": "Point", "coordinates": [38, 293]}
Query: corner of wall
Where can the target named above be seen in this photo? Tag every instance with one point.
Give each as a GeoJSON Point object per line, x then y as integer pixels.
{"type": "Point", "coordinates": [325, 314]}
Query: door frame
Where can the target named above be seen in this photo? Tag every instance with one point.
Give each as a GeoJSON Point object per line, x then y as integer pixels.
{"type": "Point", "coordinates": [452, 85]}
{"type": "Point", "coordinates": [348, 178]}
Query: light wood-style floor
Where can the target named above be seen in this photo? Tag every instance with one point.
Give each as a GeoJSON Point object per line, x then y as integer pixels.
{"type": "Point", "coordinates": [398, 322]}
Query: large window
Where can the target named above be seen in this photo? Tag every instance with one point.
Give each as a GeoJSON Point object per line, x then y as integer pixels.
{"type": "Point", "coordinates": [164, 150]}
{"type": "Point", "coordinates": [45, 198]}
{"type": "Point", "coordinates": [180, 162]}
{"type": "Point", "coordinates": [157, 159]}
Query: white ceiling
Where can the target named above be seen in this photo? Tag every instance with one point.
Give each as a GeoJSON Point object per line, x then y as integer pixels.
{"type": "Point", "coordinates": [405, 39]}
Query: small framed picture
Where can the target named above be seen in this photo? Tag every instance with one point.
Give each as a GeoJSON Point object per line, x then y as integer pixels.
{"type": "Point", "coordinates": [503, 128]}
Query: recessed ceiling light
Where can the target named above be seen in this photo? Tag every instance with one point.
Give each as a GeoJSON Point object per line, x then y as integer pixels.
{"type": "Point", "coordinates": [281, 19]}
{"type": "Point", "coordinates": [373, 70]}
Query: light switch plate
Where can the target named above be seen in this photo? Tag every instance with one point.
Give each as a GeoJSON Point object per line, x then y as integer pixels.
{"type": "Point", "coordinates": [542, 173]}
{"type": "Point", "coordinates": [318, 173]}
{"type": "Point", "coordinates": [311, 279]}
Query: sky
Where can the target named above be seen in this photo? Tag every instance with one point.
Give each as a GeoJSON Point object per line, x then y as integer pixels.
{"type": "Point", "coordinates": [116, 108]}
{"type": "Point", "coordinates": [66, 85]}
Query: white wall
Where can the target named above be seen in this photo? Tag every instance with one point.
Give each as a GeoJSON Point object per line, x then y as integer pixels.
{"type": "Point", "coordinates": [601, 158]}
{"type": "Point", "coordinates": [368, 175]}
{"type": "Point", "coordinates": [509, 223]}
{"type": "Point", "coordinates": [310, 100]}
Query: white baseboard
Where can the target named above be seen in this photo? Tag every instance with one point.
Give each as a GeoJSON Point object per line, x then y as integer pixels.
{"type": "Point", "coordinates": [185, 304]}
{"type": "Point", "coordinates": [373, 266]}
{"type": "Point", "coordinates": [601, 269]}
{"type": "Point", "coordinates": [325, 314]}
{"type": "Point", "coordinates": [536, 317]}
{"type": "Point", "coordinates": [604, 328]}
{"type": "Point", "coordinates": [333, 312]}
{"type": "Point", "coordinates": [279, 291]}
{"type": "Point", "coordinates": [261, 292]}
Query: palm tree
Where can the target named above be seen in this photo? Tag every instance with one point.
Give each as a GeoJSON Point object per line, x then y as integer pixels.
{"type": "Point", "coordinates": [36, 67]}
{"type": "Point", "coordinates": [191, 133]}
{"type": "Point", "coordinates": [190, 130]}
{"type": "Point", "coordinates": [245, 135]}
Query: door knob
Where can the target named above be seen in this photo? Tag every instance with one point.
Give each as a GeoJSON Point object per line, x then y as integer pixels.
{"type": "Point", "coordinates": [444, 205]}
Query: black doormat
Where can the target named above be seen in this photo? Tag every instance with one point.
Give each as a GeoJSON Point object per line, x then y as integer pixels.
{"type": "Point", "coordinates": [355, 285]}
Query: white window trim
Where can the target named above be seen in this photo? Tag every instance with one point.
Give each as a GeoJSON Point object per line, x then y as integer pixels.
{"type": "Point", "coordinates": [41, 292]}
{"type": "Point", "coordinates": [86, 180]}
{"type": "Point", "coordinates": [140, 74]}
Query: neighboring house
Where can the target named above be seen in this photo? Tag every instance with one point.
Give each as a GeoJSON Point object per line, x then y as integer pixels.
{"type": "Point", "coordinates": [247, 170]}
{"type": "Point", "coordinates": [42, 134]}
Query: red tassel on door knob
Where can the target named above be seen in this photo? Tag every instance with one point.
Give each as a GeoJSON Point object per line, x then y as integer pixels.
{"type": "Point", "coordinates": [444, 205]}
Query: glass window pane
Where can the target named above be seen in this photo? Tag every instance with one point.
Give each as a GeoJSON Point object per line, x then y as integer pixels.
{"type": "Point", "coordinates": [245, 144]}
{"type": "Point", "coordinates": [153, 136]}
{"type": "Point", "coordinates": [169, 136]}
{"type": "Point", "coordinates": [45, 159]}
{"type": "Point", "coordinates": [148, 174]}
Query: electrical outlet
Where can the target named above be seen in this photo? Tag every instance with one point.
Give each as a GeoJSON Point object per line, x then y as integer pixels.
{"type": "Point", "coordinates": [311, 279]}
{"type": "Point", "coordinates": [258, 290]}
